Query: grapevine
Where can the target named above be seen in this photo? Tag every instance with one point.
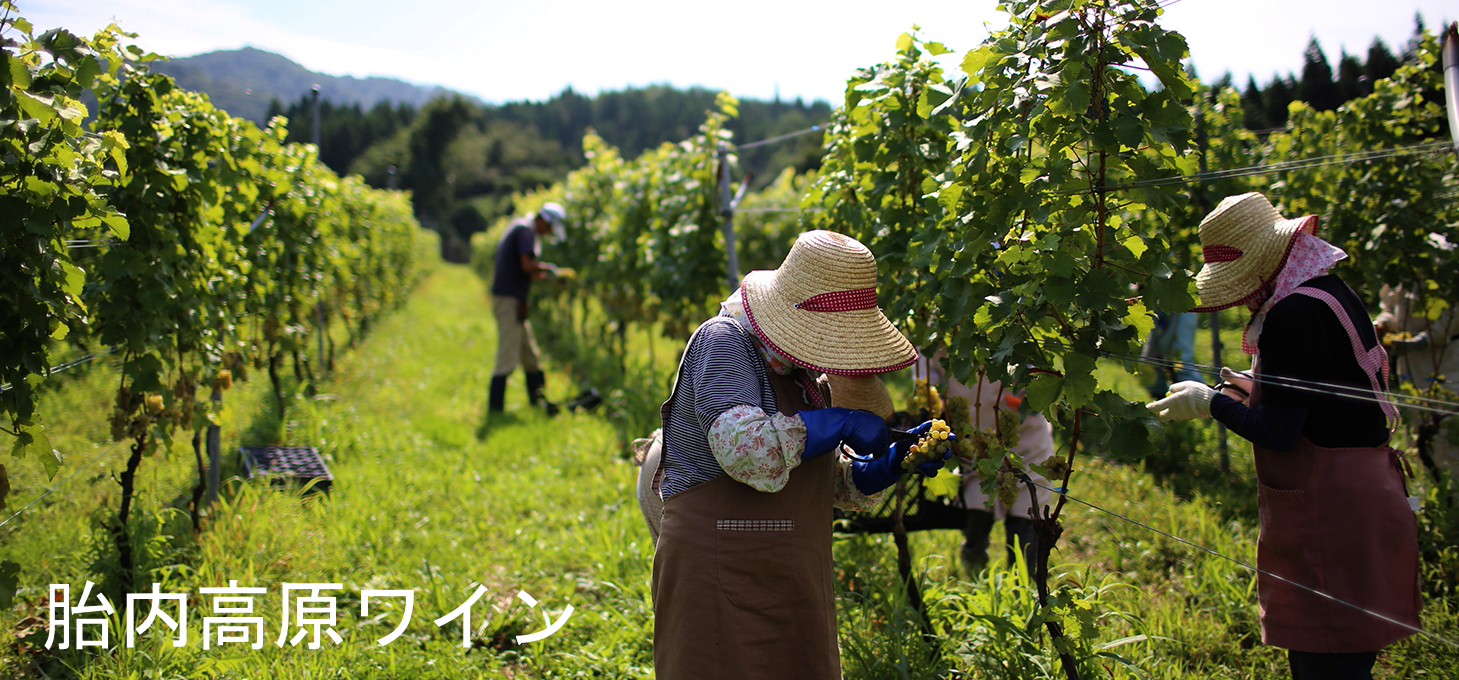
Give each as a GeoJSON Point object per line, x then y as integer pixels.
{"type": "Point", "coordinates": [178, 202]}
{"type": "Point", "coordinates": [1023, 258]}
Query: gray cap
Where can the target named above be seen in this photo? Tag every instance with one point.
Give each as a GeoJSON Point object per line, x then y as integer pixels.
{"type": "Point", "coordinates": [555, 215]}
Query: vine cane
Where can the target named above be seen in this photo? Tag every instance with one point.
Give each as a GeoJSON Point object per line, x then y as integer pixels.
{"type": "Point", "coordinates": [1046, 526]}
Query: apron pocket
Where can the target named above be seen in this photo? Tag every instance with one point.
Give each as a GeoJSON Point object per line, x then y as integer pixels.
{"type": "Point", "coordinates": [1283, 549]}
{"type": "Point", "coordinates": [1283, 524]}
{"type": "Point", "coordinates": [760, 563]}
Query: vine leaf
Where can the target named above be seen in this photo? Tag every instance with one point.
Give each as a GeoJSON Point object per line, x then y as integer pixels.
{"type": "Point", "coordinates": [1141, 319]}
{"type": "Point", "coordinates": [33, 440]}
{"type": "Point", "coordinates": [9, 581]}
{"type": "Point", "coordinates": [1079, 380]}
{"type": "Point", "coordinates": [1043, 391]}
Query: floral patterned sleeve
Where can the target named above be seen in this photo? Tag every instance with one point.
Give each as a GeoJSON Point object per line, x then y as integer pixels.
{"type": "Point", "coordinates": [757, 449]}
{"type": "Point", "coordinates": [845, 495]}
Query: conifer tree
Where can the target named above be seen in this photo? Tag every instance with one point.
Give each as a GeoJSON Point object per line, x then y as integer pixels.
{"type": "Point", "coordinates": [1316, 87]}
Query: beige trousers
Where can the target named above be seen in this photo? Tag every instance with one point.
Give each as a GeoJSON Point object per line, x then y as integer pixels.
{"type": "Point", "coordinates": [515, 344]}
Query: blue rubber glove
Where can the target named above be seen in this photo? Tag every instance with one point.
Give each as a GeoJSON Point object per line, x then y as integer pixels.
{"type": "Point", "coordinates": [826, 428]}
{"type": "Point", "coordinates": [874, 475]}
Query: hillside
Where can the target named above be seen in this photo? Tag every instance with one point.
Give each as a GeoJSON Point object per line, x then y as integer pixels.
{"type": "Point", "coordinates": [243, 82]}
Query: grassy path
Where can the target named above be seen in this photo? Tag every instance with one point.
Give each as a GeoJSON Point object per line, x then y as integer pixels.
{"type": "Point", "coordinates": [425, 498]}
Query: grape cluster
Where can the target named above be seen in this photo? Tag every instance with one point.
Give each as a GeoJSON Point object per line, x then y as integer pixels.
{"type": "Point", "coordinates": [1389, 338]}
{"type": "Point", "coordinates": [132, 414]}
{"type": "Point", "coordinates": [235, 362]}
{"type": "Point", "coordinates": [1008, 424]}
{"type": "Point", "coordinates": [959, 413]}
{"type": "Point", "coordinates": [1007, 486]}
{"type": "Point", "coordinates": [932, 446]}
{"type": "Point", "coordinates": [924, 396]}
{"type": "Point", "coordinates": [979, 444]}
{"type": "Point", "coordinates": [1056, 467]}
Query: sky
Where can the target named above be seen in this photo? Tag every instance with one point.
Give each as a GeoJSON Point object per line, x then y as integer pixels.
{"type": "Point", "coordinates": [512, 50]}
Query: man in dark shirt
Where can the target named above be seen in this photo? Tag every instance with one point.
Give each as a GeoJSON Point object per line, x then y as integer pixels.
{"type": "Point", "coordinates": [516, 267]}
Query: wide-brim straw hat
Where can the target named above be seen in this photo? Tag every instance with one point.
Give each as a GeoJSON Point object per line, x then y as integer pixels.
{"type": "Point", "coordinates": [866, 393]}
{"type": "Point", "coordinates": [819, 308]}
{"type": "Point", "coordinates": [1244, 245]}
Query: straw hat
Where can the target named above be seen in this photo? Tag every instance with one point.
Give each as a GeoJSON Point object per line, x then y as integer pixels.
{"type": "Point", "coordinates": [1244, 244]}
{"type": "Point", "coordinates": [819, 308]}
{"type": "Point", "coordinates": [864, 393]}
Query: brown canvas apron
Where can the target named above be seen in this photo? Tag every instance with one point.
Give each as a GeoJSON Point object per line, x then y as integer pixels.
{"type": "Point", "coordinates": [742, 579]}
{"type": "Point", "coordinates": [1337, 521]}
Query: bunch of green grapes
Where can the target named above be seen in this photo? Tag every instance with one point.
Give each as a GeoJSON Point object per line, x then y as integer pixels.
{"type": "Point", "coordinates": [924, 396]}
{"type": "Point", "coordinates": [121, 414]}
{"type": "Point", "coordinates": [1056, 467]}
{"type": "Point", "coordinates": [134, 413]}
{"type": "Point", "coordinates": [932, 446]}
{"type": "Point", "coordinates": [1388, 338]}
{"type": "Point", "coordinates": [234, 362]}
{"type": "Point", "coordinates": [1007, 486]}
{"type": "Point", "coordinates": [1008, 423]}
{"type": "Point", "coordinates": [959, 413]}
{"type": "Point", "coordinates": [980, 444]}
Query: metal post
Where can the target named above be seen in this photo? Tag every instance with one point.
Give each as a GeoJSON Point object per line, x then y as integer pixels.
{"type": "Point", "coordinates": [727, 210]}
{"type": "Point", "coordinates": [319, 306]}
{"type": "Point", "coordinates": [215, 453]}
{"type": "Point", "coordinates": [1200, 196]}
{"type": "Point", "coordinates": [390, 179]}
{"type": "Point", "coordinates": [1450, 49]}
{"type": "Point", "coordinates": [1216, 361]}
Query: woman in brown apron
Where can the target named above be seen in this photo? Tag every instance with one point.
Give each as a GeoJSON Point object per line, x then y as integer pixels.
{"type": "Point", "coordinates": [752, 464]}
{"type": "Point", "coordinates": [1339, 539]}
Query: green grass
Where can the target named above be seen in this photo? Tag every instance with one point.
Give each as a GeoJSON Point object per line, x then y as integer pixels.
{"type": "Point", "coordinates": [430, 495]}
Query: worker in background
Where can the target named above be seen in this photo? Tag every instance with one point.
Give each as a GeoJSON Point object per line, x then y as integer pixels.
{"type": "Point", "coordinates": [1427, 354]}
{"type": "Point", "coordinates": [1173, 342]}
{"type": "Point", "coordinates": [1035, 445]}
{"type": "Point", "coordinates": [516, 267]}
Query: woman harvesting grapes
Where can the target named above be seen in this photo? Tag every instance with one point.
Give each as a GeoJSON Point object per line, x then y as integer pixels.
{"type": "Point", "coordinates": [1332, 494]}
{"type": "Point", "coordinates": [753, 463]}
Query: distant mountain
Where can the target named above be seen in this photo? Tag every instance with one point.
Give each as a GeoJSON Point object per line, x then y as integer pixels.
{"type": "Point", "coordinates": [242, 82]}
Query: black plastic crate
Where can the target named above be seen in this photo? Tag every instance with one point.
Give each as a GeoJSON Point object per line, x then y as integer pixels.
{"type": "Point", "coordinates": [287, 465]}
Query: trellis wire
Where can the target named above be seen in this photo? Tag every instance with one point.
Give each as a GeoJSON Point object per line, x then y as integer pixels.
{"type": "Point", "coordinates": [779, 138]}
{"type": "Point", "coordinates": [1319, 387]}
{"type": "Point", "coordinates": [777, 210]}
{"type": "Point", "coordinates": [71, 364]}
{"type": "Point", "coordinates": [1300, 164]}
{"type": "Point", "coordinates": [47, 492]}
{"type": "Point", "coordinates": [1331, 389]}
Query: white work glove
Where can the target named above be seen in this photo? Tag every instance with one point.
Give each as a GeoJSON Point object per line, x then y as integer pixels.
{"type": "Point", "coordinates": [1241, 381]}
{"type": "Point", "coordinates": [1186, 400]}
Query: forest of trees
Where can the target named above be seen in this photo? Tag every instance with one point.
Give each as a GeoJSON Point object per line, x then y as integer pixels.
{"type": "Point", "coordinates": [464, 160]}
{"type": "Point", "coordinates": [1266, 107]}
